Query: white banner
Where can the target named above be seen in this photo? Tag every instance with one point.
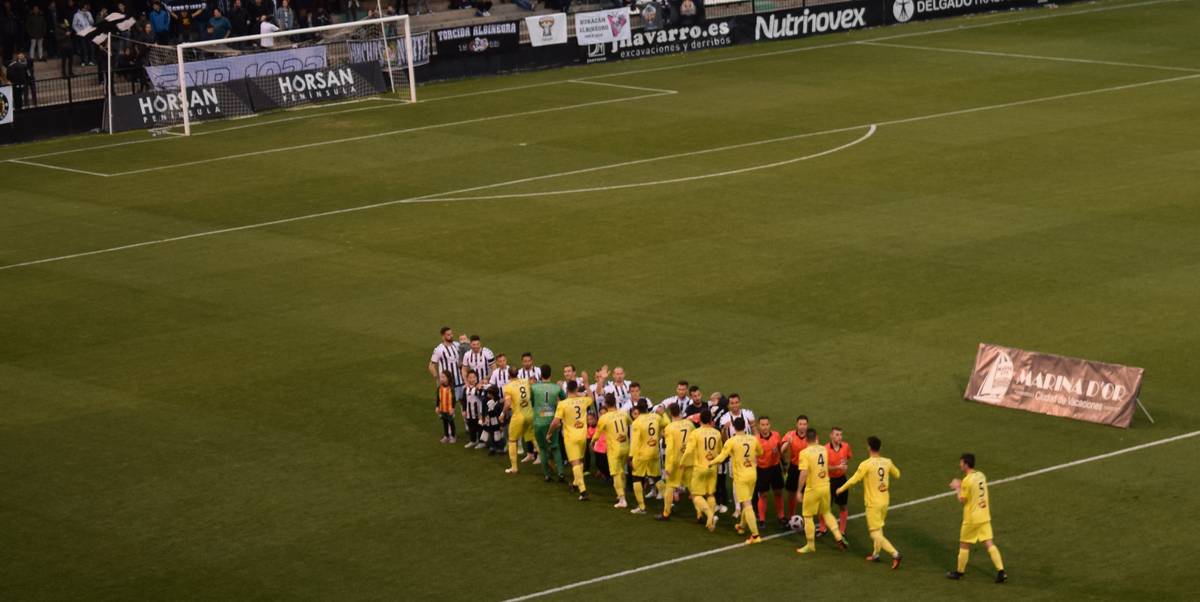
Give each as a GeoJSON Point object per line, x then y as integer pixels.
{"type": "Point", "coordinates": [602, 27]}
{"type": "Point", "coordinates": [545, 30]}
{"type": "Point", "coordinates": [215, 71]}
{"type": "Point", "coordinates": [6, 104]}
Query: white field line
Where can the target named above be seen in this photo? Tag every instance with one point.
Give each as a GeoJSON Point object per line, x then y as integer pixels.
{"type": "Point", "coordinates": [719, 174]}
{"type": "Point", "coordinates": [1030, 56]}
{"type": "Point", "coordinates": [893, 507]}
{"type": "Point", "coordinates": [60, 168]}
{"type": "Point", "coordinates": [293, 118]}
{"type": "Point", "coordinates": [1064, 13]}
{"type": "Point", "coordinates": [434, 126]}
{"type": "Point", "coordinates": [434, 197]}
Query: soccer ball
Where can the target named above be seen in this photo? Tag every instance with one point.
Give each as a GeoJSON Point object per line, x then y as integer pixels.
{"type": "Point", "coordinates": [796, 523]}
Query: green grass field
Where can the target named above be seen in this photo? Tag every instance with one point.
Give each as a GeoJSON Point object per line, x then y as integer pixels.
{"type": "Point", "coordinates": [228, 400]}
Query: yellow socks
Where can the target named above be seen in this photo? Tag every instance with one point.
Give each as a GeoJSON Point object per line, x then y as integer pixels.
{"type": "Point", "coordinates": [994, 552]}
{"type": "Point", "coordinates": [963, 555]}
{"type": "Point", "coordinates": [881, 542]}
{"type": "Point", "coordinates": [668, 496]}
{"type": "Point", "coordinates": [810, 534]}
{"type": "Point", "coordinates": [831, 524]}
{"type": "Point", "coordinates": [748, 516]}
{"type": "Point", "coordinates": [637, 494]}
{"type": "Point", "coordinates": [577, 470]}
{"type": "Point", "coordinates": [619, 483]}
{"type": "Point", "coordinates": [702, 507]}
{"type": "Point", "coordinates": [512, 454]}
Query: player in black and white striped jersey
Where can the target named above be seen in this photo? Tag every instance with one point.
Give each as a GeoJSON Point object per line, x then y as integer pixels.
{"type": "Point", "coordinates": [478, 358]}
{"type": "Point", "coordinates": [728, 431]}
{"type": "Point", "coordinates": [528, 370]}
{"type": "Point", "coordinates": [680, 397]}
{"type": "Point", "coordinates": [446, 358]}
{"type": "Point", "coordinates": [568, 372]}
{"type": "Point", "coordinates": [499, 376]}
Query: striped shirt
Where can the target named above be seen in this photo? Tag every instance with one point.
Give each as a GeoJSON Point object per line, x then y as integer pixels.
{"type": "Point", "coordinates": [480, 361]}
{"type": "Point", "coordinates": [726, 424]}
{"type": "Point", "coordinates": [621, 390]}
{"type": "Point", "coordinates": [681, 401]}
{"type": "Point", "coordinates": [447, 359]}
{"type": "Point", "coordinates": [498, 378]}
{"type": "Point", "coordinates": [534, 374]}
{"type": "Point", "coordinates": [473, 403]}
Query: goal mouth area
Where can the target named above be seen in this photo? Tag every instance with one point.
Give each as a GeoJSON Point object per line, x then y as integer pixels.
{"type": "Point", "coordinates": [307, 67]}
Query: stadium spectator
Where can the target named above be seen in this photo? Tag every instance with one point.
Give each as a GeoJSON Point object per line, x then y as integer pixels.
{"type": "Point", "coordinates": [483, 8]}
{"type": "Point", "coordinates": [254, 12]}
{"type": "Point", "coordinates": [218, 25]}
{"type": "Point", "coordinates": [352, 8]}
{"type": "Point", "coordinates": [160, 22]}
{"type": "Point", "coordinates": [321, 17]}
{"type": "Point", "coordinates": [10, 30]}
{"type": "Point", "coordinates": [239, 19]}
{"type": "Point", "coordinates": [265, 26]}
{"type": "Point", "coordinates": [35, 28]}
{"type": "Point", "coordinates": [285, 17]}
{"type": "Point", "coordinates": [51, 14]}
{"type": "Point", "coordinates": [20, 74]}
{"type": "Point", "coordinates": [83, 21]}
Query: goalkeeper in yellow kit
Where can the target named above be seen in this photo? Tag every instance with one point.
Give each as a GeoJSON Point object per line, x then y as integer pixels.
{"type": "Point", "coordinates": [814, 479]}
{"type": "Point", "coordinates": [876, 473]}
{"type": "Point", "coordinates": [972, 493]}
{"type": "Point", "coordinates": [743, 451]}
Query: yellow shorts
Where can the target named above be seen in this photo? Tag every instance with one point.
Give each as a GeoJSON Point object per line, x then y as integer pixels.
{"type": "Point", "coordinates": [743, 491]}
{"type": "Point", "coordinates": [975, 533]}
{"type": "Point", "coordinates": [520, 428]}
{"type": "Point", "coordinates": [575, 448]}
{"type": "Point", "coordinates": [646, 468]}
{"type": "Point", "coordinates": [876, 517]}
{"type": "Point", "coordinates": [815, 502]}
{"type": "Point", "coordinates": [703, 482]}
{"type": "Point", "coordinates": [680, 476]}
{"type": "Point", "coordinates": [616, 460]}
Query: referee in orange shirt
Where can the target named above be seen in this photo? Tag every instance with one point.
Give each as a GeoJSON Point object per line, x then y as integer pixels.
{"type": "Point", "coordinates": [770, 472]}
{"type": "Point", "coordinates": [838, 452]}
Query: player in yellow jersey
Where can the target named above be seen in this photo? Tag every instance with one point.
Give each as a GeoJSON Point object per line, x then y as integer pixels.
{"type": "Point", "coordinates": [518, 399]}
{"type": "Point", "coordinates": [647, 435]}
{"type": "Point", "coordinates": [814, 483]}
{"type": "Point", "coordinates": [614, 426]}
{"type": "Point", "coordinates": [972, 493]}
{"type": "Point", "coordinates": [701, 448]}
{"type": "Point", "coordinates": [743, 451]}
{"type": "Point", "coordinates": [679, 466]}
{"type": "Point", "coordinates": [875, 472]}
{"type": "Point", "coordinates": [571, 417]}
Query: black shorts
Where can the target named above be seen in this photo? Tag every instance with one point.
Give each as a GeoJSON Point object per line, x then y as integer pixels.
{"type": "Point", "coordinates": [838, 498]}
{"type": "Point", "coordinates": [769, 478]}
{"type": "Point", "coordinates": [793, 478]}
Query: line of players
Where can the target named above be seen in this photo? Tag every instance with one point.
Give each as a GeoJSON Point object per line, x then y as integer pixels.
{"type": "Point", "coordinates": [686, 452]}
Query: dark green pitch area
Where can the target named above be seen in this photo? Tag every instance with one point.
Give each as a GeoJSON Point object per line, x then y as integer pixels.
{"type": "Point", "coordinates": [247, 414]}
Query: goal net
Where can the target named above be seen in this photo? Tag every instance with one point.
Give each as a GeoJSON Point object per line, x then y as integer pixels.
{"type": "Point", "coordinates": [240, 76]}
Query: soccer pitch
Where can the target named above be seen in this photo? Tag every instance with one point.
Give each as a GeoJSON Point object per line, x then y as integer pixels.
{"type": "Point", "coordinates": [213, 349]}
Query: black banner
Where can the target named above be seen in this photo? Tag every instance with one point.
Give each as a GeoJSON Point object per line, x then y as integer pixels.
{"type": "Point", "coordinates": [313, 85]}
{"type": "Point", "coordinates": [903, 11]}
{"type": "Point", "coordinates": [488, 38]}
{"type": "Point", "coordinates": [811, 21]}
{"type": "Point", "coordinates": [670, 40]}
{"type": "Point", "coordinates": [159, 109]}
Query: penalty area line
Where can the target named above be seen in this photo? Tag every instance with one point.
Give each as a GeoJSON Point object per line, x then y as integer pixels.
{"type": "Point", "coordinates": [1040, 471]}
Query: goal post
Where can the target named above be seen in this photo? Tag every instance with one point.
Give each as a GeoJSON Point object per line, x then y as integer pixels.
{"type": "Point", "coordinates": [339, 46]}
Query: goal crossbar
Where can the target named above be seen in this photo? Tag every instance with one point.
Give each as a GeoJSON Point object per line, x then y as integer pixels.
{"type": "Point", "coordinates": [381, 21]}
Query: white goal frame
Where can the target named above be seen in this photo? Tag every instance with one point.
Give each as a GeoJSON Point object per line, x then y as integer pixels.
{"type": "Point", "coordinates": [381, 21]}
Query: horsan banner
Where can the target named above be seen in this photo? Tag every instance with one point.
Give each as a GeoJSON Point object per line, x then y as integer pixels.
{"type": "Point", "coordinates": [1055, 385]}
